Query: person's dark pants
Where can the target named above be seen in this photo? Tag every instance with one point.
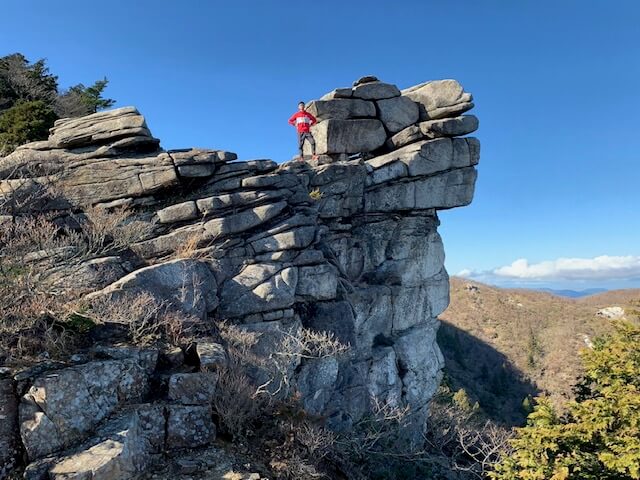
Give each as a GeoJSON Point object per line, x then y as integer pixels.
{"type": "Point", "coordinates": [302, 136]}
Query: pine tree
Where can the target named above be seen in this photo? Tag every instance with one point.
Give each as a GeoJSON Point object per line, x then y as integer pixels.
{"type": "Point", "coordinates": [28, 90]}
{"type": "Point", "coordinates": [26, 121]}
{"type": "Point", "coordinates": [599, 437]}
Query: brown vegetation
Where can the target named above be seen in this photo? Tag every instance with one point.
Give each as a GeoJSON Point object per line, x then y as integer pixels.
{"type": "Point", "coordinates": [502, 345]}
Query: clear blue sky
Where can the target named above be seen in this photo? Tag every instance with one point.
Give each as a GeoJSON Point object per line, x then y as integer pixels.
{"type": "Point", "coordinates": [556, 84]}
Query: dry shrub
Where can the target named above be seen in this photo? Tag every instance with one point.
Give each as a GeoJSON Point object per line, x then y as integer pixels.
{"type": "Point", "coordinates": [147, 319]}
{"type": "Point", "coordinates": [33, 318]}
{"type": "Point", "coordinates": [239, 343]}
{"type": "Point", "coordinates": [110, 230]}
{"type": "Point", "coordinates": [458, 443]}
{"type": "Point", "coordinates": [459, 435]}
{"type": "Point", "coordinates": [295, 467]}
{"type": "Point", "coordinates": [27, 237]}
{"type": "Point", "coordinates": [317, 440]}
{"type": "Point", "coordinates": [240, 402]}
{"type": "Point", "coordinates": [297, 445]}
{"type": "Point", "coordinates": [235, 402]}
{"type": "Point", "coordinates": [34, 324]}
{"type": "Point", "coordinates": [307, 343]}
{"type": "Point", "coordinates": [377, 434]}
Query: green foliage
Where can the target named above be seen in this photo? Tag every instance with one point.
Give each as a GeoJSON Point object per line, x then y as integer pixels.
{"type": "Point", "coordinates": [315, 194]}
{"type": "Point", "coordinates": [91, 97]}
{"type": "Point", "coordinates": [26, 121]}
{"type": "Point", "coordinates": [461, 400]}
{"type": "Point", "coordinates": [599, 437]}
{"type": "Point", "coordinates": [30, 101]}
{"type": "Point", "coordinates": [534, 349]}
{"type": "Point", "coordinates": [21, 80]}
{"type": "Point", "coordinates": [79, 322]}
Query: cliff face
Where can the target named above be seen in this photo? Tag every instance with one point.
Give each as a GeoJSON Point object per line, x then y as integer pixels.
{"type": "Point", "coordinates": [346, 244]}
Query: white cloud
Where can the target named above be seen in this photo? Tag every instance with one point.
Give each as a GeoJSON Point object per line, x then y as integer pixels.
{"type": "Point", "coordinates": [604, 267]}
{"type": "Point", "coordinates": [465, 273]}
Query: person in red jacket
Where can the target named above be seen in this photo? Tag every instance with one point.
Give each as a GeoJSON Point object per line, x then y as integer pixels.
{"type": "Point", "coordinates": [303, 121]}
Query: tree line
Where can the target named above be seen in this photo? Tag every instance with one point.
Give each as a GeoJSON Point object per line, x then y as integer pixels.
{"type": "Point", "coordinates": [31, 100]}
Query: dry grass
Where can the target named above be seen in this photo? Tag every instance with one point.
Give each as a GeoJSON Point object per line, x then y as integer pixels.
{"type": "Point", "coordinates": [189, 249]}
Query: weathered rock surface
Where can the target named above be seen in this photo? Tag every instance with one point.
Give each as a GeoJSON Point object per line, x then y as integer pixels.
{"type": "Point", "coordinates": [375, 90]}
{"type": "Point", "coordinates": [187, 284]}
{"type": "Point", "coordinates": [397, 113]}
{"type": "Point", "coordinates": [99, 127]}
{"type": "Point", "coordinates": [348, 136]}
{"type": "Point", "coordinates": [440, 99]}
{"type": "Point", "coordinates": [62, 407]}
{"type": "Point", "coordinates": [341, 108]}
{"type": "Point", "coordinates": [347, 244]}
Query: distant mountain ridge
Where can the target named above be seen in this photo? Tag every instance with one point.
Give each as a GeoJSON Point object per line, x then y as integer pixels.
{"type": "Point", "coordinates": [573, 293]}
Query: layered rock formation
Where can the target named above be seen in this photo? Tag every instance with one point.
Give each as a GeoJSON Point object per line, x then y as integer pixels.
{"type": "Point", "coordinates": [347, 244]}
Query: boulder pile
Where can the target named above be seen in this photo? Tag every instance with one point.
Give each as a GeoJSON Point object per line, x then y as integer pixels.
{"type": "Point", "coordinates": [347, 244]}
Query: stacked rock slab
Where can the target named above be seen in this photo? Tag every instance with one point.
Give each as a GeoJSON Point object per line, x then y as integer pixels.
{"type": "Point", "coordinates": [348, 246]}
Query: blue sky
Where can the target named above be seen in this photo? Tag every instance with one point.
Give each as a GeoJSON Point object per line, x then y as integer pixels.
{"type": "Point", "coordinates": [556, 87]}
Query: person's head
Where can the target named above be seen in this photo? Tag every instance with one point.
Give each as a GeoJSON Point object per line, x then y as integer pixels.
{"type": "Point", "coordinates": [301, 106]}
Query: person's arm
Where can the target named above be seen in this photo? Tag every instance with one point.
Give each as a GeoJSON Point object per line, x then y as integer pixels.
{"type": "Point", "coordinates": [312, 118]}
{"type": "Point", "coordinates": [292, 120]}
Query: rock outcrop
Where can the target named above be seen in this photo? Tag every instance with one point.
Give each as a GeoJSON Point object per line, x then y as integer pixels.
{"type": "Point", "coordinates": [346, 244]}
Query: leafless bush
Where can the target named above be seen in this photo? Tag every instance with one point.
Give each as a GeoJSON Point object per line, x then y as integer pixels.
{"type": "Point", "coordinates": [296, 344]}
{"type": "Point", "coordinates": [29, 188]}
{"type": "Point", "coordinates": [32, 324]}
{"type": "Point", "coordinates": [32, 319]}
{"type": "Point", "coordinates": [295, 467]}
{"type": "Point", "coordinates": [235, 402]}
{"type": "Point", "coordinates": [457, 442]}
{"type": "Point", "coordinates": [239, 343]}
{"type": "Point", "coordinates": [307, 343]}
{"type": "Point", "coordinates": [147, 319]}
{"type": "Point", "coordinates": [245, 365]}
{"type": "Point", "coordinates": [460, 435]}
{"type": "Point", "coordinates": [377, 433]}
{"type": "Point", "coordinates": [106, 231]}
{"type": "Point", "coordinates": [318, 441]}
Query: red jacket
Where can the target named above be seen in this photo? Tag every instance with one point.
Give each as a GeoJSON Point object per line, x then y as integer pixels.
{"type": "Point", "coordinates": [302, 121]}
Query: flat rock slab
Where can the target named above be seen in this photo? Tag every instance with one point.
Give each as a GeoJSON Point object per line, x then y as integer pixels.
{"type": "Point", "coordinates": [348, 136]}
{"type": "Point", "coordinates": [341, 108]}
{"type": "Point", "coordinates": [375, 91]}
{"type": "Point", "coordinates": [440, 99]}
{"type": "Point", "coordinates": [242, 221]}
{"type": "Point", "coordinates": [98, 127]}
